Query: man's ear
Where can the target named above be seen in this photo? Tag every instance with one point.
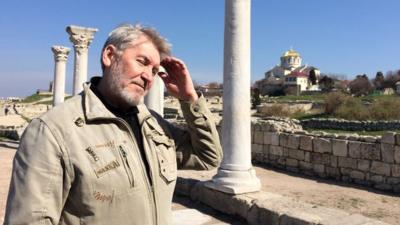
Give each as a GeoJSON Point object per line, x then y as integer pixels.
{"type": "Point", "coordinates": [109, 55]}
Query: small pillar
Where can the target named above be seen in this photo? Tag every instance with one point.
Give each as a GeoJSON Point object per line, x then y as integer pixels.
{"type": "Point", "coordinates": [60, 59]}
{"type": "Point", "coordinates": [81, 37]}
{"type": "Point", "coordinates": [236, 174]}
{"type": "Point", "coordinates": [155, 97]}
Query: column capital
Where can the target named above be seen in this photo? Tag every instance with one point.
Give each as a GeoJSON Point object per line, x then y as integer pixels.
{"type": "Point", "coordinates": [60, 53]}
{"type": "Point", "coordinates": [81, 37]}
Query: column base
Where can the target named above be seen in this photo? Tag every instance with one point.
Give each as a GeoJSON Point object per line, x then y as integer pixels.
{"type": "Point", "coordinates": [235, 182]}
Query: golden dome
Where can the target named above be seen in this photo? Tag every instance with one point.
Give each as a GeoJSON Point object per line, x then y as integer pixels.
{"type": "Point", "coordinates": [290, 53]}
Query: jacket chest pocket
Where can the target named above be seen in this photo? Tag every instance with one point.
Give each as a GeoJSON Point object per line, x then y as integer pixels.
{"type": "Point", "coordinates": [166, 156]}
{"type": "Point", "coordinates": [112, 169]}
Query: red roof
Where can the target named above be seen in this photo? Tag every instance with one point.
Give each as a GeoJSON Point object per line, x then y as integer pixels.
{"type": "Point", "coordinates": [297, 74]}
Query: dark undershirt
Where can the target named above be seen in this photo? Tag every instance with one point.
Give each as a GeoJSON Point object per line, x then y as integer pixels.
{"type": "Point", "coordinates": [130, 116]}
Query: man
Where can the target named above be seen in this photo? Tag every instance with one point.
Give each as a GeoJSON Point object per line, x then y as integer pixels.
{"type": "Point", "coordinates": [102, 157]}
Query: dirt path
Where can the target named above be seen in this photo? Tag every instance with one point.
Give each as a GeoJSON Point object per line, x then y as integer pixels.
{"type": "Point", "coordinates": [350, 198]}
{"type": "Point", "coordinates": [7, 152]}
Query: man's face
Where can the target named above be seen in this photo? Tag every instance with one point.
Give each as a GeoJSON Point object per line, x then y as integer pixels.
{"type": "Point", "coordinates": [131, 74]}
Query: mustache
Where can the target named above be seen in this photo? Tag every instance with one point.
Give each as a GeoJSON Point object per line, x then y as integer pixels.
{"type": "Point", "coordinates": [142, 84]}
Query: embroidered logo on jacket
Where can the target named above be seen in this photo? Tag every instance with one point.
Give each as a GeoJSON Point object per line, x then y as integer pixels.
{"type": "Point", "coordinates": [111, 165]}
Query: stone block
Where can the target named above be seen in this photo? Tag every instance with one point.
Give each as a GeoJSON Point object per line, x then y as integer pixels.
{"type": "Point", "coordinates": [332, 172]}
{"type": "Point", "coordinates": [339, 147]}
{"type": "Point", "coordinates": [397, 154]}
{"type": "Point", "coordinates": [396, 170]}
{"type": "Point", "coordinates": [296, 154]}
{"type": "Point", "coordinates": [347, 162]}
{"type": "Point", "coordinates": [346, 178]}
{"type": "Point", "coordinates": [363, 164]}
{"type": "Point", "coordinates": [396, 188]}
{"type": "Point", "coordinates": [389, 138]}
{"type": "Point", "coordinates": [285, 152]}
{"type": "Point", "coordinates": [362, 182]}
{"type": "Point", "coordinates": [305, 165]}
{"type": "Point", "coordinates": [387, 152]}
{"type": "Point", "coordinates": [322, 145]}
{"type": "Point", "coordinates": [292, 169]}
{"type": "Point", "coordinates": [276, 150]}
{"type": "Point", "coordinates": [383, 187]}
{"type": "Point", "coordinates": [355, 149]}
{"type": "Point", "coordinates": [334, 161]}
{"type": "Point", "coordinates": [355, 174]}
{"type": "Point", "coordinates": [380, 168]}
{"type": "Point", "coordinates": [257, 148]}
{"type": "Point", "coordinates": [393, 180]}
{"type": "Point", "coordinates": [292, 162]}
{"type": "Point", "coordinates": [281, 161]}
{"type": "Point", "coordinates": [289, 140]}
{"type": "Point", "coordinates": [376, 179]}
{"type": "Point", "coordinates": [258, 157]}
{"type": "Point", "coordinates": [266, 149]}
{"type": "Point", "coordinates": [371, 139]}
{"type": "Point", "coordinates": [319, 168]}
{"type": "Point", "coordinates": [271, 138]}
{"type": "Point", "coordinates": [273, 157]}
{"type": "Point", "coordinates": [345, 171]}
{"type": "Point", "coordinates": [306, 142]}
{"type": "Point", "coordinates": [370, 151]}
{"type": "Point", "coordinates": [319, 158]}
{"type": "Point", "coordinates": [397, 137]}
{"type": "Point", "coordinates": [307, 156]}
{"type": "Point", "coordinates": [259, 137]}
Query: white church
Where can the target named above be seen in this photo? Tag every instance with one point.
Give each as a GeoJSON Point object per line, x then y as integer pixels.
{"type": "Point", "coordinates": [290, 77]}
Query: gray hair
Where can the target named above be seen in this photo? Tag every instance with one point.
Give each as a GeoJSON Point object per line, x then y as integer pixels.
{"type": "Point", "coordinates": [124, 35]}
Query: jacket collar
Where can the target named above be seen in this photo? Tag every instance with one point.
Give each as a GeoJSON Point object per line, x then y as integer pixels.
{"type": "Point", "coordinates": [94, 108]}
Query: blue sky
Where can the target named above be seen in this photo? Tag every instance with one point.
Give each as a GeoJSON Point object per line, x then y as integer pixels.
{"type": "Point", "coordinates": [337, 36]}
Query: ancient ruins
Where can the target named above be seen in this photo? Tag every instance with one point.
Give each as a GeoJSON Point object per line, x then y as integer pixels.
{"type": "Point", "coordinates": [277, 142]}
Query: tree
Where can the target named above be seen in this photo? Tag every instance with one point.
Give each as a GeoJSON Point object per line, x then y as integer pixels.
{"type": "Point", "coordinates": [379, 81]}
{"type": "Point", "coordinates": [326, 83]}
{"type": "Point", "coordinates": [391, 79]}
{"type": "Point", "coordinates": [360, 85]}
{"type": "Point", "coordinates": [313, 77]}
{"type": "Point", "coordinates": [255, 100]}
{"type": "Point", "coordinates": [214, 85]}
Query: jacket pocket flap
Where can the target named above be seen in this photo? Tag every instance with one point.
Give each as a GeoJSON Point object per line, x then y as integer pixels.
{"type": "Point", "coordinates": [162, 139]}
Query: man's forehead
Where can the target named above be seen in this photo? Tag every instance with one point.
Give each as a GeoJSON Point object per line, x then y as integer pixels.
{"type": "Point", "coordinates": [145, 42]}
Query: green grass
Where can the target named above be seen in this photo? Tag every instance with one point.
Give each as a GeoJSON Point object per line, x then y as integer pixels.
{"type": "Point", "coordinates": [315, 98]}
{"type": "Point", "coordinates": [369, 133]}
{"type": "Point", "coordinates": [371, 98]}
{"type": "Point", "coordinates": [50, 102]}
{"type": "Point", "coordinates": [34, 98]}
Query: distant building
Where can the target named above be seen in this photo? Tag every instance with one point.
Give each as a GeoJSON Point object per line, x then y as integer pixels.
{"type": "Point", "coordinates": [398, 87]}
{"type": "Point", "coordinates": [212, 89]}
{"type": "Point", "coordinates": [289, 75]}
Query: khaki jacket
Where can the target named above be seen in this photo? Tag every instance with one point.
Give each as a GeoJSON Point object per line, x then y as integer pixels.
{"type": "Point", "coordinates": [80, 164]}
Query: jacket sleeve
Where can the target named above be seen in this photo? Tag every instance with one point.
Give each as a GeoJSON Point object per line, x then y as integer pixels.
{"type": "Point", "coordinates": [198, 145]}
{"type": "Point", "coordinates": [38, 188]}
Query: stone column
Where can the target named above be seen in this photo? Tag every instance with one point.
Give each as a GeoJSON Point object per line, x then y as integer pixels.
{"type": "Point", "coordinates": [81, 37]}
{"type": "Point", "coordinates": [236, 174]}
{"type": "Point", "coordinates": [60, 58]}
{"type": "Point", "coordinates": [155, 98]}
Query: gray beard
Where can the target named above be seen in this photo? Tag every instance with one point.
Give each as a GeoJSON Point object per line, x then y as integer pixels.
{"type": "Point", "coordinates": [119, 92]}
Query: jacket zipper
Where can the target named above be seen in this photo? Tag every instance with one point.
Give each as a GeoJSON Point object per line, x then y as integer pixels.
{"type": "Point", "coordinates": [126, 165]}
{"type": "Point", "coordinates": [150, 191]}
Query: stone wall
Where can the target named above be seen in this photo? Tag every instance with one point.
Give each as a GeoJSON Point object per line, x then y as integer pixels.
{"type": "Point", "coordinates": [12, 132]}
{"type": "Point", "coordinates": [364, 160]}
{"type": "Point", "coordinates": [351, 125]}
